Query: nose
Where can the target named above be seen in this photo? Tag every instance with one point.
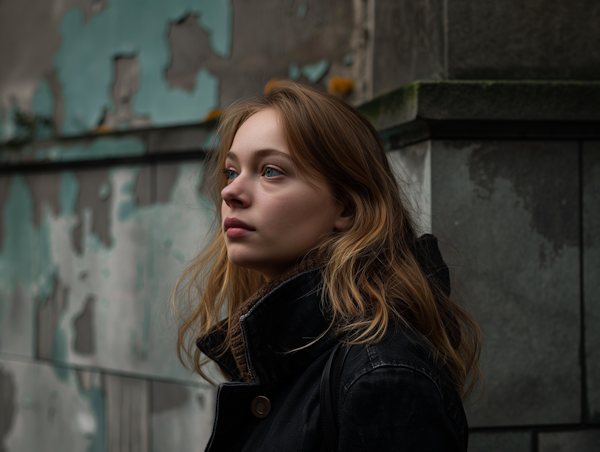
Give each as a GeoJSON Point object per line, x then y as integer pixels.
{"type": "Point", "coordinates": [236, 194]}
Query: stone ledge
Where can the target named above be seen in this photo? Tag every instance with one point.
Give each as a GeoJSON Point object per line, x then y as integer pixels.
{"type": "Point", "coordinates": [416, 112]}
{"type": "Point", "coordinates": [569, 101]}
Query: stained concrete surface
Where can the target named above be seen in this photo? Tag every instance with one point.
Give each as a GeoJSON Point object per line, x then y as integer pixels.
{"type": "Point", "coordinates": [537, 39]}
{"type": "Point", "coordinates": [511, 209]}
{"type": "Point", "coordinates": [84, 326]}
{"type": "Point", "coordinates": [101, 63]}
{"type": "Point", "coordinates": [580, 441]}
{"type": "Point", "coordinates": [50, 340]}
{"type": "Point", "coordinates": [410, 41]}
{"type": "Point", "coordinates": [500, 442]}
{"type": "Point", "coordinates": [412, 166]}
{"type": "Point", "coordinates": [591, 274]}
{"type": "Point", "coordinates": [127, 414]}
{"type": "Point", "coordinates": [93, 197]}
{"type": "Point", "coordinates": [100, 235]}
{"type": "Point", "coordinates": [325, 32]}
{"type": "Point", "coordinates": [182, 417]}
{"type": "Point", "coordinates": [45, 408]}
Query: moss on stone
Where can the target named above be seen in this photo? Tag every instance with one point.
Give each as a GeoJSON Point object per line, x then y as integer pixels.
{"type": "Point", "coordinates": [486, 100]}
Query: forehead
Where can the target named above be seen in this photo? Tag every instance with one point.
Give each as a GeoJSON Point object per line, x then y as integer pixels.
{"type": "Point", "coordinates": [261, 130]}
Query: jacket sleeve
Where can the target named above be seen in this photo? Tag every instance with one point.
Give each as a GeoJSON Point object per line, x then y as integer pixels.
{"type": "Point", "coordinates": [396, 409]}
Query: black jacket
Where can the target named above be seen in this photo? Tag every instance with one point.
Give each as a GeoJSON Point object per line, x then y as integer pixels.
{"type": "Point", "coordinates": [392, 396]}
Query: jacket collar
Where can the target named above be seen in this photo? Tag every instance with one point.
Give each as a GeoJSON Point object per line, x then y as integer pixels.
{"type": "Point", "coordinates": [277, 332]}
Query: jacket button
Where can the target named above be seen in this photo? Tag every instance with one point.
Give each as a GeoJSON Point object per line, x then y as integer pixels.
{"type": "Point", "coordinates": [261, 407]}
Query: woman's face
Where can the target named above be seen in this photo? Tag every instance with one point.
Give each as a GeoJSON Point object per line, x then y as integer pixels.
{"type": "Point", "coordinates": [271, 213]}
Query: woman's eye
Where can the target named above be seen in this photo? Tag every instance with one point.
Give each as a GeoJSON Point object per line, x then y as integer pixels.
{"type": "Point", "coordinates": [232, 174]}
{"type": "Point", "coordinates": [272, 172]}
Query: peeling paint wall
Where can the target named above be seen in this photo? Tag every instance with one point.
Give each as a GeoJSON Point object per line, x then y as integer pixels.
{"type": "Point", "coordinates": [88, 259]}
{"type": "Point", "coordinates": [122, 64]}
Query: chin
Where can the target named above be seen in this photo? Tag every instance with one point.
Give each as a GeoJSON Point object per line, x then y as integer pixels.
{"type": "Point", "coordinates": [241, 258]}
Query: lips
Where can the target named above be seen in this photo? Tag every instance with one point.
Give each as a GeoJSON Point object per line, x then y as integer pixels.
{"type": "Point", "coordinates": [236, 228]}
{"type": "Point", "coordinates": [235, 223]}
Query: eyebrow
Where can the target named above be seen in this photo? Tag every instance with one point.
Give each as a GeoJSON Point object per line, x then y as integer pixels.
{"type": "Point", "coordinates": [261, 153]}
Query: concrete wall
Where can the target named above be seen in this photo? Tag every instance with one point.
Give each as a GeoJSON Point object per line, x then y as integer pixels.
{"type": "Point", "coordinates": [119, 64]}
{"type": "Point", "coordinates": [518, 220]}
{"type": "Point", "coordinates": [88, 259]}
{"type": "Point", "coordinates": [484, 40]}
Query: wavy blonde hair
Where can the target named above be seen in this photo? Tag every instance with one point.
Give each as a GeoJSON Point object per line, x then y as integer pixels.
{"type": "Point", "coordinates": [370, 277]}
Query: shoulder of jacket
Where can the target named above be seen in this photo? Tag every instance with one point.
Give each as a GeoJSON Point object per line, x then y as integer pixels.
{"type": "Point", "coordinates": [397, 349]}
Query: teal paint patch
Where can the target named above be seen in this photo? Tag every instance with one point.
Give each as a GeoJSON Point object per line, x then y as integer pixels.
{"type": "Point", "coordinates": [216, 18]}
{"type": "Point", "coordinates": [302, 10]}
{"type": "Point", "coordinates": [178, 254]}
{"type": "Point", "coordinates": [9, 128]}
{"type": "Point", "coordinates": [104, 191]}
{"type": "Point", "coordinates": [127, 204]}
{"type": "Point", "coordinates": [43, 100]}
{"type": "Point", "coordinates": [60, 353]}
{"type": "Point", "coordinates": [69, 191]}
{"type": "Point", "coordinates": [315, 72]}
{"type": "Point", "coordinates": [128, 187]}
{"type": "Point", "coordinates": [348, 60]}
{"type": "Point", "coordinates": [101, 148]}
{"type": "Point", "coordinates": [168, 243]}
{"type": "Point", "coordinates": [93, 243]}
{"type": "Point", "coordinates": [47, 278]}
{"type": "Point", "coordinates": [294, 71]}
{"type": "Point", "coordinates": [139, 283]}
{"type": "Point", "coordinates": [179, 106]}
{"type": "Point", "coordinates": [126, 209]}
{"type": "Point", "coordinates": [97, 406]}
{"type": "Point", "coordinates": [19, 245]}
{"type": "Point", "coordinates": [84, 63]}
{"type": "Point", "coordinates": [27, 270]}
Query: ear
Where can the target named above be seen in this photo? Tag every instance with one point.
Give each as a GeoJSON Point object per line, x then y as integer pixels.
{"type": "Point", "coordinates": [344, 219]}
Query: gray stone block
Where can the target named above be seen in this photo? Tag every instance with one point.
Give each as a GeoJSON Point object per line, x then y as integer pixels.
{"type": "Point", "coordinates": [412, 167]}
{"type": "Point", "coordinates": [511, 209]}
{"type": "Point", "coordinates": [409, 43]}
{"type": "Point", "coordinates": [500, 442]}
{"type": "Point", "coordinates": [43, 407]}
{"type": "Point", "coordinates": [183, 217]}
{"type": "Point", "coordinates": [182, 416]}
{"type": "Point", "coordinates": [591, 274]}
{"type": "Point", "coordinates": [173, 139]}
{"type": "Point", "coordinates": [537, 39]}
{"type": "Point", "coordinates": [580, 441]}
{"type": "Point", "coordinates": [127, 414]}
{"type": "Point", "coordinates": [486, 100]}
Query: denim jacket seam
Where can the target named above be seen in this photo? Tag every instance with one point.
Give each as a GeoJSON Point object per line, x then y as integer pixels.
{"type": "Point", "coordinates": [449, 406]}
{"type": "Point", "coordinates": [382, 364]}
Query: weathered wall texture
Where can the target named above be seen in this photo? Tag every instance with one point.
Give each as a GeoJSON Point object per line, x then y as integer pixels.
{"type": "Point", "coordinates": [484, 40]}
{"type": "Point", "coordinates": [523, 217]}
{"type": "Point", "coordinates": [99, 65]}
{"type": "Point", "coordinates": [514, 40]}
{"type": "Point", "coordinates": [87, 263]}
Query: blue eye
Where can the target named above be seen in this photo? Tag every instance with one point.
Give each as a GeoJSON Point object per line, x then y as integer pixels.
{"type": "Point", "coordinates": [232, 174]}
{"type": "Point", "coordinates": [272, 172]}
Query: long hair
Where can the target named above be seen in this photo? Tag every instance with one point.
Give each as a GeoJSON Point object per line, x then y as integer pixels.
{"type": "Point", "coordinates": [371, 279]}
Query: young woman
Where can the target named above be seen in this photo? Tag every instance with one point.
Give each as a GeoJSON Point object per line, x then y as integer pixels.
{"type": "Point", "coordinates": [314, 246]}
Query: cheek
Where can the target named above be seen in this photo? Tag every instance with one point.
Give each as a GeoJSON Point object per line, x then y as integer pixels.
{"type": "Point", "coordinates": [303, 217]}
